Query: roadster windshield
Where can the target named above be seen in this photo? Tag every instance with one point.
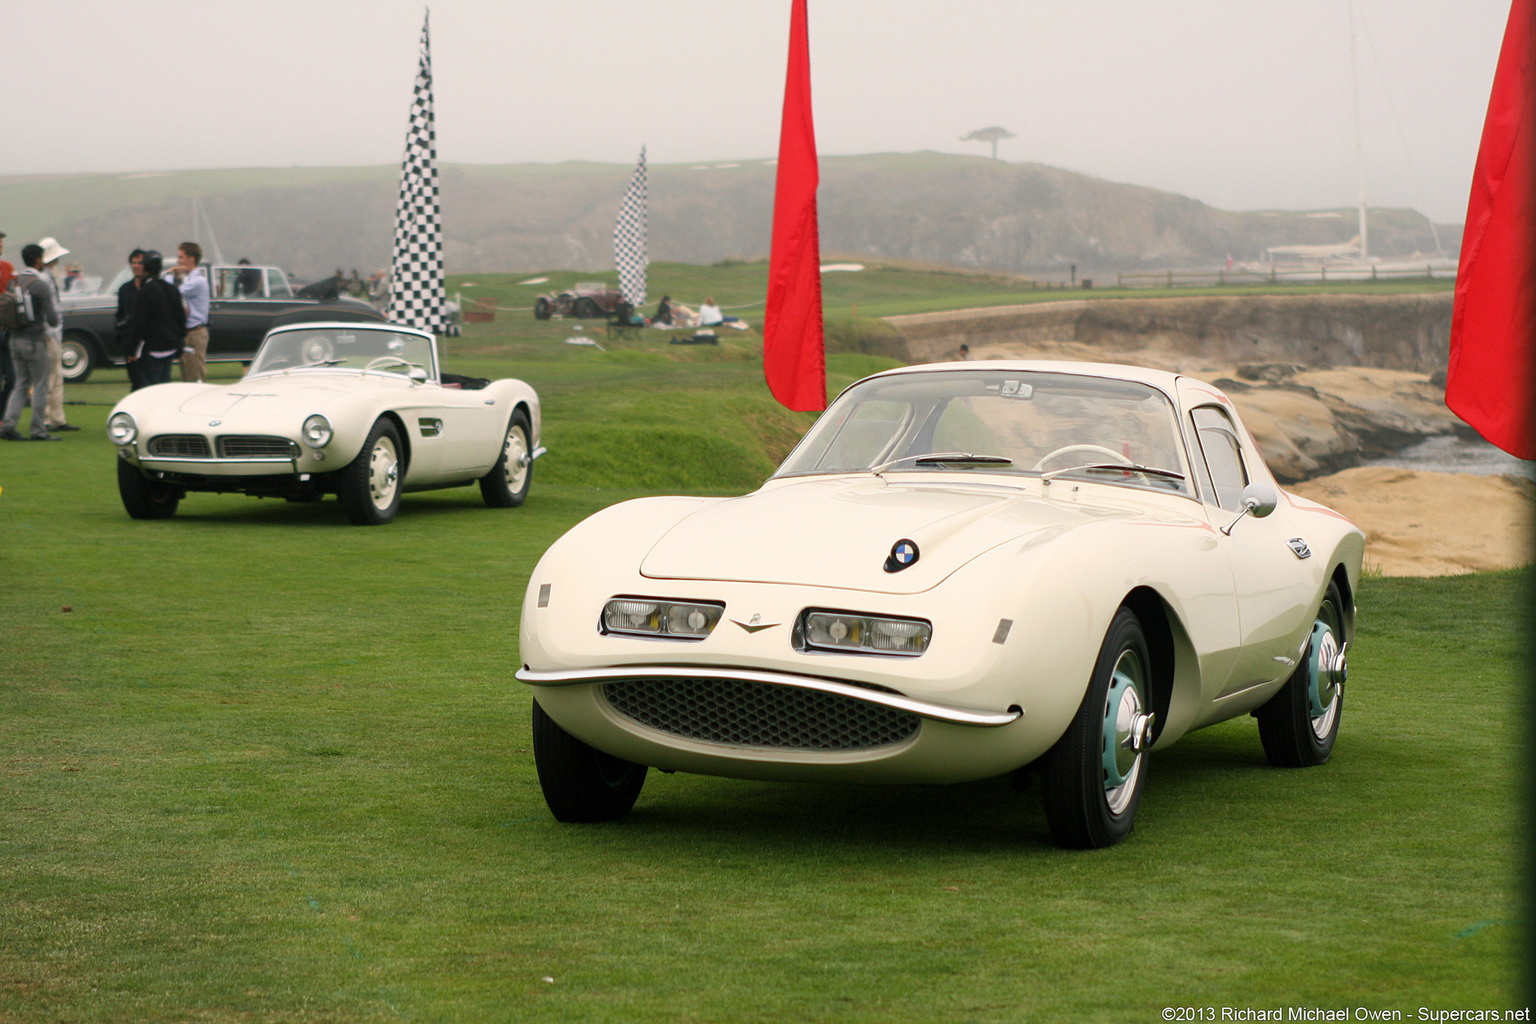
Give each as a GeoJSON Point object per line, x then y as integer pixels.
{"type": "Point", "coordinates": [999, 421]}
{"type": "Point", "coordinates": [355, 348]}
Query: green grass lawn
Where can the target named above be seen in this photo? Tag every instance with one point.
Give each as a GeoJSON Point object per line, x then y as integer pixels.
{"type": "Point", "coordinates": [259, 765]}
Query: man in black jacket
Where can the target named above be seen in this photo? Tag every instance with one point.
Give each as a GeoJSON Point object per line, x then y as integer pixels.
{"type": "Point", "coordinates": [158, 324]}
{"type": "Point", "coordinates": [127, 295]}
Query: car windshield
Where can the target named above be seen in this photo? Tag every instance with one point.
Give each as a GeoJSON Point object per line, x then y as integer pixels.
{"type": "Point", "coordinates": [999, 421]}
{"type": "Point", "coordinates": [353, 348]}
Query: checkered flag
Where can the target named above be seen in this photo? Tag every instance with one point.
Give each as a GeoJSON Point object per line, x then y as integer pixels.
{"type": "Point", "coordinates": [629, 238]}
{"type": "Point", "coordinates": [417, 296]}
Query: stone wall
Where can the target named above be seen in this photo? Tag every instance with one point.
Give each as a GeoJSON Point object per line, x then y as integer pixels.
{"type": "Point", "coordinates": [1400, 332]}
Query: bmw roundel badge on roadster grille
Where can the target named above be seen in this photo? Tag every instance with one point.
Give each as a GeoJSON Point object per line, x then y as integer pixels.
{"type": "Point", "coordinates": [903, 554]}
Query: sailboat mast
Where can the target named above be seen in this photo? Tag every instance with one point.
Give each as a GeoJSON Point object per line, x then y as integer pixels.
{"type": "Point", "coordinates": [1354, 77]}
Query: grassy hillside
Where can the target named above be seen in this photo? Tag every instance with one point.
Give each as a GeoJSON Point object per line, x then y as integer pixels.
{"type": "Point", "coordinates": [259, 765]}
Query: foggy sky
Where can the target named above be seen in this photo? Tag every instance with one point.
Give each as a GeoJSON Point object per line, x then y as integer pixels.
{"type": "Point", "coordinates": [1243, 104]}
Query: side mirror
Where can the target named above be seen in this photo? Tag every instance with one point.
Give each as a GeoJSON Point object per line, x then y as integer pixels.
{"type": "Point", "coordinates": [419, 376]}
{"type": "Point", "coordinates": [1259, 500]}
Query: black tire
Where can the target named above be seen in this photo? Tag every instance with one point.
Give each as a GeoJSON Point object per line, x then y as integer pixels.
{"type": "Point", "coordinates": [586, 308]}
{"type": "Point", "coordinates": [145, 498]}
{"type": "Point", "coordinates": [541, 309]}
{"type": "Point", "coordinates": [369, 486]}
{"type": "Point", "coordinates": [506, 485]}
{"type": "Point", "coordinates": [1299, 725]}
{"type": "Point", "coordinates": [581, 785]}
{"type": "Point", "coordinates": [1088, 805]}
{"type": "Point", "coordinates": [78, 358]}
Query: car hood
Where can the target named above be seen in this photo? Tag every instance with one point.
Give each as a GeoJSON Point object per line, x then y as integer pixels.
{"type": "Point", "coordinates": [839, 532]}
{"type": "Point", "coordinates": [269, 392]}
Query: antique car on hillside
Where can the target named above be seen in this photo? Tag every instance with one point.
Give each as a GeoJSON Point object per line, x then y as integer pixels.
{"type": "Point", "coordinates": [962, 571]}
{"type": "Point", "coordinates": [587, 300]}
{"type": "Point", "coordinates": [361, 411]}
{"type": "Point", "coordinates": [245, 302]}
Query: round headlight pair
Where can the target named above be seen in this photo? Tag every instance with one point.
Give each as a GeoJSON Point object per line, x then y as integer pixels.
{"type": "Point", "coordinates": [317, 431]}
{"type": "Point", "coordinates": [121, 428]}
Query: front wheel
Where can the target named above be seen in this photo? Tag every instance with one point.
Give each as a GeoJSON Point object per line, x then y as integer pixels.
{"type": "Point", "coordinates": [1095, 773]}
{"type": "Point", "coordinates": [1298, 725]}
{"type": "Point", "coordinates": [581, 784]}
{"type": "Point", "coordinates": [77, 359]}
{"type": "Point", "coordinates": [370, 484]}
{"type": "Point", "coordinates": [541, 308]}
{"type": "Point", "coordinates": [506, 485]}
{"type": "Point", "coordinates": [587, 309]}
{"type": "Point", "coordinates": [144, 498]}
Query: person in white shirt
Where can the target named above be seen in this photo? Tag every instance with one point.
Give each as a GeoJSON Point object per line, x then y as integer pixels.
{"type": "Point", "coordinates": [193, 285]}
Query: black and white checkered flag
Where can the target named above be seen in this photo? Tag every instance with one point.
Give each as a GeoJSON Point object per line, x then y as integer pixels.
{"type": "Point", "coordinates": [629, 238]}
{"type": "Point", "coordinates": [417, 295]}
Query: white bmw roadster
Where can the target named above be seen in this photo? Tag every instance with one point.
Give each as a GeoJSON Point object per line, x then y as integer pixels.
{"type": "Point", "coordinates": [963, 570]}
{"type": "Point", "coordinates": [358, 410]}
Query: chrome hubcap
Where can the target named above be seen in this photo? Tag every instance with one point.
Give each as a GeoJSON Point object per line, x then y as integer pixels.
{"type": "Point", "coordinates": [517, 460]}
{"type": "Point", "coordinates": [383, 473]}
{"type": "Point", "coordinates": [1127, 732]}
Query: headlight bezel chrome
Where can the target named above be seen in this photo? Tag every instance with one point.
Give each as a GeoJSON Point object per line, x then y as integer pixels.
{"type": "Point", "coordinates": [660, 618]}
{"type": "Point", "coordinates": [316, 432]}
{"type": "Point", "coordinates": [122, 429]}
{"type": "Point", "coordinates": [837, 631]}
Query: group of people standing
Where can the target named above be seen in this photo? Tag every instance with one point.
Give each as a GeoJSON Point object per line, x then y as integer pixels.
{"type": "Point", "coordinates": [158, 321]}
{"type": "Point", "coordinates": [33, 363]}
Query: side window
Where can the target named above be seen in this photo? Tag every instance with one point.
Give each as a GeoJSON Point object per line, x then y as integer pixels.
{"type": "Point", "coordinates": [1223, 456]}
{"type": "Point", "coordinates": [277, 284]}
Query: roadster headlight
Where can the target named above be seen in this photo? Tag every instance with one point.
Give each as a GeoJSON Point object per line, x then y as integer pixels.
{"type": "Point", "coordinates": [676, 620]}
{"type": "Point", "coordinates": [121, 428]}
{"type": "Point", "coordinates": [854, 632]}
{"type": "Point", "coordinates": [317, 431]}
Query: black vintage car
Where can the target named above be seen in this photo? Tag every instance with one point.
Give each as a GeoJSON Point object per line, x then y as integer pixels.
{"type": "Point", "coordinates": [245, 303]}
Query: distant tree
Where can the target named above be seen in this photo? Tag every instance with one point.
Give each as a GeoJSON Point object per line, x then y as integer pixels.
{"type": "Point", "coordinates": [992, 135]}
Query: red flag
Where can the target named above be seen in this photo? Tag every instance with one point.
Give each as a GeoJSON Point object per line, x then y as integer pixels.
{"type": "Point", "coordinates": [793, 360]}
{"type": "Point", "coordinates": [1493, 324]}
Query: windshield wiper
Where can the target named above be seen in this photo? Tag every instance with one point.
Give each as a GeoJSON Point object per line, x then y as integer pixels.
{"type": "Point", "coordinates": [1126, 467]}
{"type": "Point", "coordinates": [940, 458]}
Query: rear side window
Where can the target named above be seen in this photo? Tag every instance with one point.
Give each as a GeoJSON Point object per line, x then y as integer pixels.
{"type": "Point", "coordinates": [1223, 455]}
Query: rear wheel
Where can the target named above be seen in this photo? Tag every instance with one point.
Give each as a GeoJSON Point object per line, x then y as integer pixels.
{"type": "Point", "coordinates": [506, 485]}
{"type": "Point", "coordinates": [144, 498]}
{"type": "Point", "coordinates": [370, 484]}
{"type": "Point", "coordinates": [77, 357]}
{"type": "Point", "coordinates": [581, 784]}
{"type": "Point", "coordinates": [587, 309]}
{"type": "Point", "coordinates": [1298, 725]}
{"type": "Point", "coordinates": [1094, 774]}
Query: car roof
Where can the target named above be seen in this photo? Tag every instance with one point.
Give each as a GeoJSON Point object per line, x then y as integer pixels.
{"type": "Point", "coordinates": [1163, 380]}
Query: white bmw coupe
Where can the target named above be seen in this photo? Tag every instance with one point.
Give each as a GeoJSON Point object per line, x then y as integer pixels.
{"type": "Point", "coordinates": [964, 570]}
{"type": "Point", "coordinates": [358, 410]}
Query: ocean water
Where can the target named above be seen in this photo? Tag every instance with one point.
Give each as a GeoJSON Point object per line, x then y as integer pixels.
{"type": "Point", "coordinates": [1453, 454]}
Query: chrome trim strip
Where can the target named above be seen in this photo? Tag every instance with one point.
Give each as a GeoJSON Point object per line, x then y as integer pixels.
{"type": "Point", "coordinates": [263, 461]}
{"type": "Point", "coordinates": [940, 712]}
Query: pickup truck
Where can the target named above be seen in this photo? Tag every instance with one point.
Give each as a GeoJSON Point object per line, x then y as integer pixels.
{"type": "Point", "coordinates": [245, 303]}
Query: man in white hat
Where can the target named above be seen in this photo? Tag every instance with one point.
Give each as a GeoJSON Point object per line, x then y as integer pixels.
{"type": "Point", "coordinates": [52, 253]}
{"type": "Point", "coordinates": [29, 350]}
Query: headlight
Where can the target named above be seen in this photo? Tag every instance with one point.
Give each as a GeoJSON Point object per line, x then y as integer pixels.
{"type": "Point", "coordinates": [317, 431]}
{"type": "Point", "coordinates": [121, 428]}
{"type": "Point", "coordinates": [856, 633]}
{"type": "Point", "coordinates": [646, 616]}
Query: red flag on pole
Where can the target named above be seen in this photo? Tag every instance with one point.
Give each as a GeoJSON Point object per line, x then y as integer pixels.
{"type": "Point", "coordinates": [793, 359]}
{"type": "Point", "coordinates": [1493, 324]}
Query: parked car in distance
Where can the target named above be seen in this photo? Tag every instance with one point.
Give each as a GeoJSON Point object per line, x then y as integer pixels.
{"type": "Point", "coordinates": [245, 303]}
{"type": "Point", "coordinates": [586, 300]}
{"type": "Point", "coordinates": [358, 410]}
{"type": "Point", "coordinates": [964, 570]}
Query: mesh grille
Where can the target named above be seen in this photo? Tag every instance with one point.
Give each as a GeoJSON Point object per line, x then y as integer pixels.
{"type": "Point", "coordinates": [751, 714]}
{"type": "Point", "coordinates": [187, 446]}
{"type": "Point", "coordinates": [236, 446]}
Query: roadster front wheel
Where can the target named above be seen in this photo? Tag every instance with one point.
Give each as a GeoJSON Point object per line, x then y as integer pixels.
{"type": "Point", "coordinates": [1298, 725]}
{"type": "Point", "coordinates": [506, 485]}
{"type": "Point", "coordinates": [581, 784]}
{"type": "Point", "coordinates": [369, 487]}
{"type": "Point", "coordinates": [144, 498]}
{"type": "Point", "coordinates": [1095, 773]}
